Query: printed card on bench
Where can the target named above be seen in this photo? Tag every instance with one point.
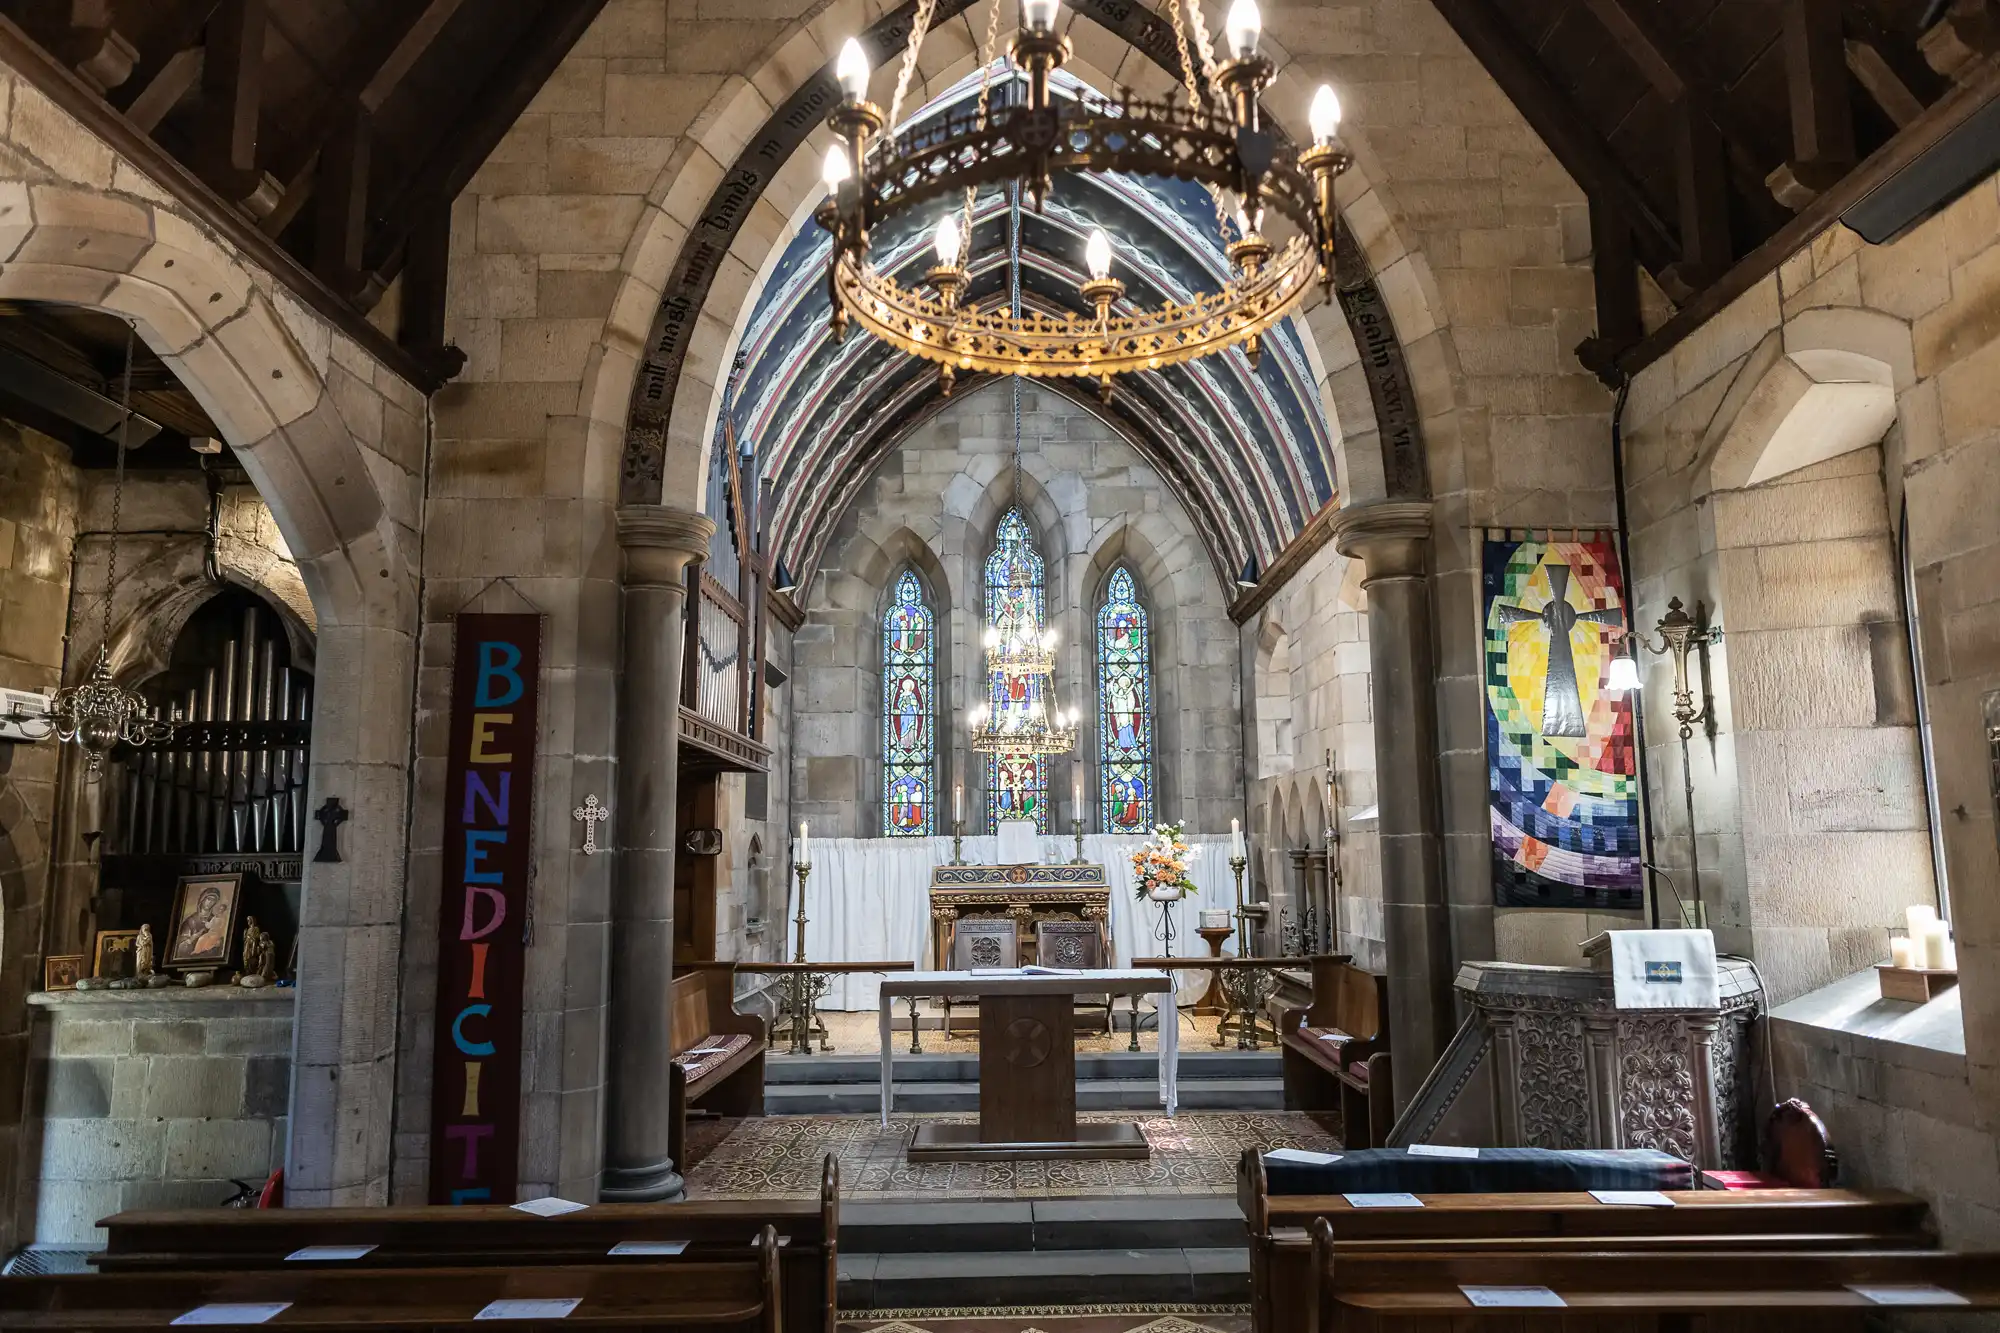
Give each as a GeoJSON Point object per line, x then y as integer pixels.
{"type": "Point", "coordinates": [1441, 1150]}
{"type": "Point", "coordinates": [1502, 1298]}
{"type": "Point", "coordinates": [329, 1253]}
{"type": "Point", "coordinates": [630, 1247]}
{"type": "Point", "coordinates": [549, 1207]}
{"type": "Point", "coordinates": [234, 1313]}
{"type": "Point", "coordinates": [539, 1309]}
{"type": "Point", "coordinates": [1383, 1200]}
{"type": "Point", "coordinates": [1901, 1294]}
{"type": "Point", "coordinates": [1633, 1198]}
{"type": "Point", "coordinates": [1301, 1156]}
{"type": "Point", "coordinates": [706, 1050]}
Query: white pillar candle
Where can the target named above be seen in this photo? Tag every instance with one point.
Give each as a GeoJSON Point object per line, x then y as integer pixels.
{"type": "Point", "coordinates": [1076, 798]}
{"type": "Point", "coordinates": [1236, 837]}
{"type": "Point", "coordinates": [1919, 919]}
{"type": "Point", "coordinates": [1950, 954]}
{"type": "Point", "coordinates": [1936, 941]}
{"type": "Point", "coordinates": [805, 850]}
{"type": "Point", "coordinates": [1899, 951]}
{"type": "Point", "coordinates": [958, 801]}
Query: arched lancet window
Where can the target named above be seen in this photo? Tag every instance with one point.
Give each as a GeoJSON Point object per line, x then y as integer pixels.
{"type": "Point", "coordinates": [909, 710]}
{"type": "Point", "coordinates": [1016, 787]}
{"type": "Point", "coordinates": [1124, 708]}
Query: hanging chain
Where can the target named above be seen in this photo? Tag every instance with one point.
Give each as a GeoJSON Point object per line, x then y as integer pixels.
{"type": "Point", "coordinates": [118, 486]}
{"type": "Point", "coordinates": [925, 9]}
{"type": "Point", "coordinates": [1205, 47]}
{"type": "Point", "coordinates": [1194, 89]}
{"type": "Point", "coordinates": [985, 90]}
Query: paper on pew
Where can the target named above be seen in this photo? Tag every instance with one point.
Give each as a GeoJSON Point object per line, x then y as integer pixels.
{"type": "Point", "coordinates": [1383, 1200]}
{"type": "Point", "coordinates": [558, 1308]}
{"type": "Point", "coordinates": [1441, 1150]}
{"type": "Point", "coordinates": [1633, 1198]}
{"type": "Point", "coordinates": [549, 1207]}
{"type": "Point", "coordinates": [707, 1050]}
{"type": "Point", "coordinates": [1912, 1294]}
{"type": "Point", "coordinates": [1301, 1156]}
{"type": "Point", "coordinates": [234, 1313]}
{"type": "Point", "coordinates": [329, 1253]}
{"type": "Point", "coordinates": [648, 1247]}
{"type": "Point", "coordinates": [1513, 1297]}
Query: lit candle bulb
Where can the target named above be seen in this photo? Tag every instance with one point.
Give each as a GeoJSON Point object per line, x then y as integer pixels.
{"type": "Point", "coordinates": [1243, 27]}
{"type": "Point", "coordinates": [958, 801]}
{"type": "Point", "coordinates": [1324, 116]}
{"type": "Point", "coordinates": [852, 71]}
{"type": "Point", "coordinates": [948, 240]}
{"type": "Point", "coordinates": [1039, 15]}
{"type": "Point", "coordinates": [1097, 254]}
{"type": "Point", "coordinates": [835, 171]}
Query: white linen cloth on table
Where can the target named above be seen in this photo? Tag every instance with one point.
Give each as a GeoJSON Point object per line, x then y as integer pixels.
{"type": "Point", "coordinates": [869, 898]}
{"type": "Point", "coordinates": [1082, 982]}
{"type": "Point", "coordinates": [1664, 969]}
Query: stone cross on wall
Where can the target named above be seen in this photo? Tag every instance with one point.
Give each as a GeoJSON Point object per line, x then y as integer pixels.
{"type": "Point", "coordinates": [590, 814]}
{"type": "Point", "coordinates": [330, 816]}
{"type": "Point", "coordinates": [1562, 704]}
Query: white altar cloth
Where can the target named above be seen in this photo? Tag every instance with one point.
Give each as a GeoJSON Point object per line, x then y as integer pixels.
{"type": "Point", "coordinates": [869, 898]}
{"type": "Point", "coordinates": [1018, 981]}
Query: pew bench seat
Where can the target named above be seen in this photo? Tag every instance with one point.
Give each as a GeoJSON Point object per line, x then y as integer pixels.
{"type": "Point", "coordinates": [717, 1060]}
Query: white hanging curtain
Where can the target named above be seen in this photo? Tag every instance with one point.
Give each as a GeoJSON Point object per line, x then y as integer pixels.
{"type": "Point", "coordinates": [869, 898]}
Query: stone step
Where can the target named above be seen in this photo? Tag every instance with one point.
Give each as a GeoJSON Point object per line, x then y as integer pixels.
{"type": "Point", "coordinates": [988, 1278]}
{"type": "Point", "coordinates": [1141, 1222]}
{"type": "Point", "coordinates": [937, 1096]}
{"type": "Point", "coordinates": [964, 1068]}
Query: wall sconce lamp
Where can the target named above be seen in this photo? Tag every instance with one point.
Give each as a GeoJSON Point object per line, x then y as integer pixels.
{"type": "Point", "coordinates": [1679, 634]}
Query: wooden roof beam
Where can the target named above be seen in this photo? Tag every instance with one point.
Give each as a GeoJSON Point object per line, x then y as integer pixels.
{"type": "Point", "coordinates": [1701, 182]}
{"type": "Point", "coordinates": [1822, 120]}
{"type": "Point", "coordinates": [1616, 277]}
{"type": "Point", "coordinates": [225, 151]}
{"type": "Point", "coordinates": [1561, 126]}
{"type": "Point", "coordinates": [84, 34]}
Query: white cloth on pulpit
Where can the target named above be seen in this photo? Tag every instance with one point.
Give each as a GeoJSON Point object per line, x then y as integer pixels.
{"type": "Point", "coordinates": [1019, 843]}
{"type": "Point", "coordinates": [869, 898]}
{"type": "Point", "coordinates": [1664, 969]}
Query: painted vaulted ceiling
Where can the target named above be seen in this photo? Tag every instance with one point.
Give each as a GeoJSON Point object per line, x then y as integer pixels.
{"type": "Point", "coordinates": [1247, 451]}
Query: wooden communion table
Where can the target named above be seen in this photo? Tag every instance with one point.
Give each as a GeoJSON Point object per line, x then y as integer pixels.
{"type": "Point", "coordinates": [1027, 1064]}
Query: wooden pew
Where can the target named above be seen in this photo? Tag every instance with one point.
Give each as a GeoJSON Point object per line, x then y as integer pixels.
{"type": "Point", "coordinates": [1741, 1290]}
{"type": "Point", "coordinates": [1281, 1262]}
{"type": "Point", "coordinates": [480, 1236]}
{"type": "Point", "coordinates": [1329, 1048]}
{"type": "Point", "coordinates": [729, 1081]}
{"type": "Point", "coordinates": [743, 1293]}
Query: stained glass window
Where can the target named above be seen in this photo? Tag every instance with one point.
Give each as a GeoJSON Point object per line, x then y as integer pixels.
{"type": "Point", "coordinates": [1124, 708]}
{"type": "Point", "coordinates": [909, 685]}
{"type": "Point", "coordinates": [1017, 787]}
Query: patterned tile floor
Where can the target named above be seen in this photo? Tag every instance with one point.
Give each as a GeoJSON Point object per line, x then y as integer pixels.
{"type": "Point", "coordinates": [779, 1156]}
{"type": "Point", "coordinates": [1056, 1319]}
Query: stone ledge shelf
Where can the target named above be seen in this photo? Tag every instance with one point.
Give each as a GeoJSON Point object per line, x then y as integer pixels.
{"type": "Point", "coordinates": [171, 997]}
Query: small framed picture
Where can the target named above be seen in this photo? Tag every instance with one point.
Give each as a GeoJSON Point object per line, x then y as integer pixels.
{"type": "Point", "coordinates": [117, 955]}
{"type": "Point", "coordinates": [204, 920]}
{"type": "Point", "coordinates": [61, 971]}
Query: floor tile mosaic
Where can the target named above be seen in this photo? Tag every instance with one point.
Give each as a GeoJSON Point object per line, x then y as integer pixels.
{"type": "Point", "coordinates": [779, 1157]}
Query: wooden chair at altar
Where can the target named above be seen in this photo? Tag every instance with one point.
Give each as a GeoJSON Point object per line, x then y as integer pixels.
{"type": "Point", "coordinates": [980, 943]}
{"type": "Point", "coordinates": [1074, 944]}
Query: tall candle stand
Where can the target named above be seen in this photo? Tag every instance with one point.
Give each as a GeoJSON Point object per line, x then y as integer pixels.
{"type": "Point", "coordinates": [802, 980]}
{"type": "Point", "coordinates": [958, 842]}
{"type": "Point", "coordinates": [1076, 827]}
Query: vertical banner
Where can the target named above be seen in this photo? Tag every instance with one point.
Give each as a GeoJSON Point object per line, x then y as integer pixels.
{"type": "Point", "coordinates": [483, 912]}
{"type": "Point", "coordinates": [1561, 765]}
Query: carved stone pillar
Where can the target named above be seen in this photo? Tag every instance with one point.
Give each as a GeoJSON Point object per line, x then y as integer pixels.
{"type": "Point", "coordinates": [1701, 1067]}
{"type": "Point", "coordinates": [1392, 539]}
{"type": "Point", "coordinates": [1506, 1080]}
{"type": "Point", "coordinates": [658, 541]}
{"type": "Point", "coordinates": [1600, 1074]}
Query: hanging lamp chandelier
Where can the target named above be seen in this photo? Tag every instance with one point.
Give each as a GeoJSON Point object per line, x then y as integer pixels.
{"type": "Point", "coordinates": [96, 713]}
{"type": "Point", "coordinates": [1019, 719]}
{"type": "Point", "coordinates": [1217, 140]}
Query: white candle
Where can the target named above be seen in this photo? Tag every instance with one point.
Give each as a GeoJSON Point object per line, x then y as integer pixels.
{"type": "Point", "coordinates": [1236, 838]}
{"type": "Point", "coordinates": [1950, 954]}
{"type": "Point", "coordinates": [805, 852]}
{"type": "Point", "coordinates": [1936, 943]}
{"type": "Point", "coordinates": [1919, 920]}
{"type": "Point", "coordinates": [958, 801]}
{"type": "Point", "coordinates": [1899, 951]}
{"type": "Point", "coordinates": [1076, 798]}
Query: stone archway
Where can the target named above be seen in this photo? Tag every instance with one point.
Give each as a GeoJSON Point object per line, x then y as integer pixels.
{"type": "Point", "coordinates": [324, 433]}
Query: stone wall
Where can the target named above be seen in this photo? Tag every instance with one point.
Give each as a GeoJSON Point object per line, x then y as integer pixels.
{"type": "Point", "coordinates": [154, 1099]}
{"type": "Point", "coordinates": [1810, 808]}
{"type": "Point", "coordinates": [1306, 652]}
{"type": "Point", "coordinates": [933, 506]}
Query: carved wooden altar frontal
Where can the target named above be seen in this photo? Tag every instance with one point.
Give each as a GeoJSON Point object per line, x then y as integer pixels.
{"type": "Point", "coordinates": [1024, 894]}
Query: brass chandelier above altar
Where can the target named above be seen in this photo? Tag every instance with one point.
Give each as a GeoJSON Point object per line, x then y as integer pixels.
{"type": "Point", "coordinates": [1021, 719]}
{"type": "Point", "coordinates": [1217, 140]}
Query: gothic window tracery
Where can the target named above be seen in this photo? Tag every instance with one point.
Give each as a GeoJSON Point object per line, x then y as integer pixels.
{"type": "Point", "coordinates": [1124, 708]}
{"type": "Point", "coordinates": [1017, 787]}
{"type": "Point", "coordinates": [909, 692]}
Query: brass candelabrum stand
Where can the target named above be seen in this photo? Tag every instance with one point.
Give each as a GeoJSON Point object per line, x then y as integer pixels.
{"type": "Point", "coordinates": [802, 995]}
{"type": "Point", "coordinates": [1244, 989]}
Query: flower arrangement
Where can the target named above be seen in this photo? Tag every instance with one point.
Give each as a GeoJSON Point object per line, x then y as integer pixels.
{"type": "Point", "coordinates": [1160, 866]}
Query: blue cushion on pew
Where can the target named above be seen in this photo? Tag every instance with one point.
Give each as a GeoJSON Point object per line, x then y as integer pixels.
{"type": "Point", "coordinates": [1494, 1171]}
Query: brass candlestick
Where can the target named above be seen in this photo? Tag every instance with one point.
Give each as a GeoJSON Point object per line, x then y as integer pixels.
{"type": "Point", "coordinates": [1236, 865]}
{"type": "Point", "coordinates": [1076, 827]}
{"type": "Point", "coordinates": [801, 869]}
{"type": "Point", "coordinates": [802, 980]}
{"type": "Point", "coordinates": [958, 842]}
